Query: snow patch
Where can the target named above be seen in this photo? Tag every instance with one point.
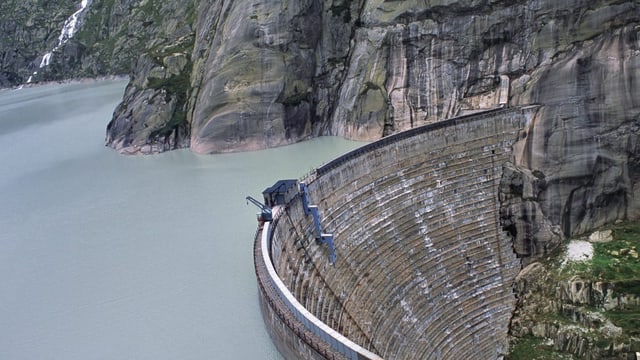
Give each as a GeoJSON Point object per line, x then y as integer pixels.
{"type": "Point", "coordinates": [579, 250]}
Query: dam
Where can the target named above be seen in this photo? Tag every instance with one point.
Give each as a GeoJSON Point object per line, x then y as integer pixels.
{"type": "Point", "coordinates": [422, 268]}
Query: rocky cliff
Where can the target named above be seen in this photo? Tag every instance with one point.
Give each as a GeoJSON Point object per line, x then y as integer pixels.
{"type": "Point", "coordinates": [223, 75]}
{"type": "Point", "coordinates": [583, 303]}
{"type": "Point", "coordinates": [111, 36]}
{"type": "Point", "coordinates": [261, 74]}
{"type": "Point", "coordinates": [27, 31]}
{"type": "Point", "coordinates": [150, 39]}
{"type": "Point", "coordinates": [255, 74]}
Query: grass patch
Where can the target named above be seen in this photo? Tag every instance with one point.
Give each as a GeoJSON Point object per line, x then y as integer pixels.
{"type": "Point", "coordinates": [616, 261]}
{"type": "Point", "coordinates": [627, 232]}
{"type": "Point", "coordinates": [534, 348]}
{"type": "Point", "coordinates": [177, 85]}
{"type": "Point", "coordinates": [628, 320]}
{"type": "Point", "coordinates": [557, 318]}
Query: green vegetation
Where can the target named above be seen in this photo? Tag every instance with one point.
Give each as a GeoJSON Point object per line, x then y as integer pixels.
{"type": "Point", "coordinates": [177, 87]}
{"type": "Point", "coordinates": [534, 348]}
{"type": "Point", "coordinates": [616, 261]}
{"type": "Point", "coordinates": [628, 320]}
{"type": "Point", "coordinates": [93, 32]}
{"type": "Point", "coordinates": [29, 29]}
{"type": "Point", "coordinates": [113, 44]}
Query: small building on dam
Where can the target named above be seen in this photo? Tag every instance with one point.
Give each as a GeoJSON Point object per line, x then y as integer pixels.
{"type": "Point", "coordinates": [395, 250]}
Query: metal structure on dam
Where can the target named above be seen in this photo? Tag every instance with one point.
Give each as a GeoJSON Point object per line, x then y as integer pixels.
{"type": "Point", "coordinates": [422, 267]}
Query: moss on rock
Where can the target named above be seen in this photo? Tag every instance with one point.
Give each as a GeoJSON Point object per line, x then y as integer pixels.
{"type": "Point", "coordinates": [588, 308]}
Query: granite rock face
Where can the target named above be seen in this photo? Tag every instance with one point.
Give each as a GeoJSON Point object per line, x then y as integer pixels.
{"type": "Point", "coordinates": [572, 314]}
{"type": "Point", "coordinates": [270, 73]}
{"type": "Point", "coordinates": [580, 155]}
{"type": "Point", "coordinates": [150, 39]}
{"type": "Point", "coordinates": [112, 34]}
{"type": "Point", "coordinates": [257, 76]}
{"type": "Point", "coordinates": [278, 72]}
{"type": "Point", "coordinates": [220, 76]}
{"type": "Point", "coordinates": [27, 31]}
{"type": "Point", "coordinates": [152, 117]}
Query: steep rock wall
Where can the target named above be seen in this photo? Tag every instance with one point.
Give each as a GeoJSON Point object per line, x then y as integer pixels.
{"type": "Point", "coordinates": [158, 48]}
{"type": "Point", "coordinates": [27, 31]}
{"type": "Point", "coordinates": [578, 163]}
{"type": "Point", "coordinates": [271, 73]}
{"type": "Point", "coordinates": [257, 81]}
{"type": "Point", "coordinates": [369, 68]}
{"type": "Point", "coordinates": [111, 37]}
{"type": "Point", "coordinates": [150, 39]}
{"type": "Point", "coordinates": [225, 75]}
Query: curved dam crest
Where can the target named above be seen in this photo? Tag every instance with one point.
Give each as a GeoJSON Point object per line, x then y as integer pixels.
{"type": "Point", "coordinates": [424, 268]}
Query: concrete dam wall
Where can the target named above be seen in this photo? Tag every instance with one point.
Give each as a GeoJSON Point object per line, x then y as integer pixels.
{"type": "Point", "coordinates": [424, 269]}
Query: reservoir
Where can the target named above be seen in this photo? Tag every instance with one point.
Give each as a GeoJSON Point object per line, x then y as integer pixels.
{"type": "Point", "coordinates": [104, 256]}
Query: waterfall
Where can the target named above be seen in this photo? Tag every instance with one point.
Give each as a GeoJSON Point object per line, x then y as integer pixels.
{"type": "Point", "coordinates": [69, 29]}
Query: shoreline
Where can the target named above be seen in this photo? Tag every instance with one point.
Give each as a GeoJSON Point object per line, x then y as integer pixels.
{"type": "Point", "coordinates": [83, 80]}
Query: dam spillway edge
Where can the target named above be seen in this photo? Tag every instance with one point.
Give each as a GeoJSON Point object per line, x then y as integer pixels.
{"type": "Point", "coordinates": [423, 267]}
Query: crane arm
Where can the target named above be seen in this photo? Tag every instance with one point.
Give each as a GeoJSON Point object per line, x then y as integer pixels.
{"type": "Point", "coordinates": [265, 211]}
{"type": "Point", "coordinates": [260, 205]}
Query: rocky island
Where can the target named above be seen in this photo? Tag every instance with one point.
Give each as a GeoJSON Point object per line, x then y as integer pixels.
{"type": "Point", "coordinates": [221, 76]}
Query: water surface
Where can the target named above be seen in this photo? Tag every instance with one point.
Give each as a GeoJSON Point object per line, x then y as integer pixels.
{"type": "Point", "coordinates": [104, 256]}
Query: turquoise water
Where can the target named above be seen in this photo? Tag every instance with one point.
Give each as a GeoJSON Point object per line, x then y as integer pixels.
{"type": "Point", "coordinates": [104, 256]}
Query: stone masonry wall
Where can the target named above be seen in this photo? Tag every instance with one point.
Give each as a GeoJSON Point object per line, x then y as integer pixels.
{"type": "Point", "coordinates": [424, 269]}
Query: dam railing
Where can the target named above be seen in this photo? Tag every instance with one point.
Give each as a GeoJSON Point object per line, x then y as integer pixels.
{"type": "Point", "coordinates": [336, 341]}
